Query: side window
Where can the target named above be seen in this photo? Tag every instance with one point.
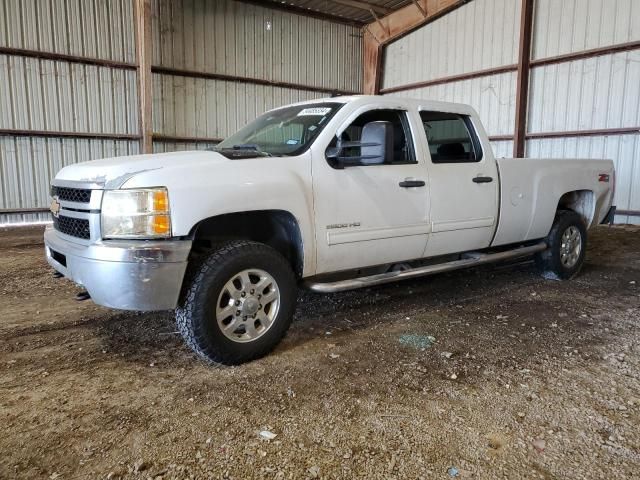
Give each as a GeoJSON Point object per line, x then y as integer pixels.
{"type": "Point", "coordinates": [401, 142]}
{"type": "Point", "coordinates": [451, 138]}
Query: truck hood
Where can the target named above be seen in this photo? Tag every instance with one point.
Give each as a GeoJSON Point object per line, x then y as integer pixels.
{"type": "Point", "coordinates": [112, 173]}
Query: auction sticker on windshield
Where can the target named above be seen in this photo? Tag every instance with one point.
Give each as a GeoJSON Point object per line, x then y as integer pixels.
{"type": "Point", "coordinates": [318, 111]}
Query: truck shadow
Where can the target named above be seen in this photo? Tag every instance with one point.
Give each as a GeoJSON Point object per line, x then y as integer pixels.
{"type": "Point", "coordinates": [501, 315]}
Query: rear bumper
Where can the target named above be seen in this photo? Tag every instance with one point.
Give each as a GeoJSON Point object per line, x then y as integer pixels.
{"type": "Point", "coordinates": [127, 275]}
{"type": "Point", "coordinates": [609, 217]}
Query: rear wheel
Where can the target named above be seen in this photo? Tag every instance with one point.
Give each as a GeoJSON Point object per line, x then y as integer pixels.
{"type": "Point", "coordinates": [567, 242]}
{"type": "Point", "coordinates": [238, 302]}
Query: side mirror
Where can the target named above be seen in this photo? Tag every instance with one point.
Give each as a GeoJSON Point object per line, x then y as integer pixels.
{"type": "Point", "coordinates": [376, 147]}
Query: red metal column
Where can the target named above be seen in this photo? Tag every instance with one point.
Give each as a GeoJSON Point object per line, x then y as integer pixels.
{"type": "Point", "coordinates": [522, 82]}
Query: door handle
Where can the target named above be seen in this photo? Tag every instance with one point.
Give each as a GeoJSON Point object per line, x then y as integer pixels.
{"type": "Point", "coordinates": [483, 179]}
{"type": "Point", "coordinates": [410, 183]}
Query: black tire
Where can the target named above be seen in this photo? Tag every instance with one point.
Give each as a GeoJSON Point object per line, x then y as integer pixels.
{"type": "Point", "coordinates": [549, 262]}
{"type": "Point", "coordinates": [205, 280]}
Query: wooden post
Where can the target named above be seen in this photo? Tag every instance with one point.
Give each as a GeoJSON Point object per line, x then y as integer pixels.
{"type": "Point", "coordinates": [372, 68]}
{"type": "Point", "coordinates": [142, 12]}
{"type": "Point", "coordinates": [522, 82]}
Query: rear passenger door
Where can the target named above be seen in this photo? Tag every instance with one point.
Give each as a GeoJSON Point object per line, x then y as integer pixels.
{"type": "Point", "coordinates": [464, 185]}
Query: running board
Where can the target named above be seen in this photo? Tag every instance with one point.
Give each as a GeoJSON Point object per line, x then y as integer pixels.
{"type": "Point", "coordinates": [379, 279]}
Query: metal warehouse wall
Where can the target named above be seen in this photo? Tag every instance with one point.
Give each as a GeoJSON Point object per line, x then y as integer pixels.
{"type": "Point", "coordinates": [42, 100]}
{"type": "Point", "coordinates": [594, 93]}
{"type": "Point", "coordinates": [479, 36]}
{"type": "Point", "coordinates": [220, 64]}
{"type": "Point", "coordinates": [68, 81]}
{"type": "Point", "coordinates": [470, 56]}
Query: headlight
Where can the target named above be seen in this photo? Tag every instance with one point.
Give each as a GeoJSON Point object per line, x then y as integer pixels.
{"type": "Point", "coordinates": [140, 213]}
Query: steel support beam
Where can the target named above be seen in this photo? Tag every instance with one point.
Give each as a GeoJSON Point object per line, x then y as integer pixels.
{"type": "Point", "coordinates": [451, 79]}
{"type": "Point", "coordinates": [19, 211]}
{"type": "Point", "coordinates": [305, 12]}
{"type": "Point", "coordinates": [63, 57]}
{"type": "Point", "coordinates": [601, 132]}
{"type": "Point", "coordinates": [160, 137]}
{"type": "Point", "coordinates": [363, 6]}
{"type": "Point", "coordinates": [522, 82]}
{"type": "Point", "coordinates": [591, 53]}
{"type": "Point", "coordinates": [255, 81]}
{"type": "Point", "coordinates": [17, 132]}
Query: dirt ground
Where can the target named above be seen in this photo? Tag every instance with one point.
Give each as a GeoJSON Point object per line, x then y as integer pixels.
{"type": "Point", "coordinates": [527, 378]}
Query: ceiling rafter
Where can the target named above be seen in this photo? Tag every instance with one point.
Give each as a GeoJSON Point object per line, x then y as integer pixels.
{"type": "Point", "coordinates": [353, 12]}
{"type": "Point", "coordinates": [369, 7]}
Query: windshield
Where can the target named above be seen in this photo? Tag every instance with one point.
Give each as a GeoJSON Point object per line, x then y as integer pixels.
{"type": "Point", "coordinates": [283, 132]}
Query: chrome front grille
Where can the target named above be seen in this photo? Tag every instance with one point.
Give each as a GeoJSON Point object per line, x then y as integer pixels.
{"type": "Point", "coordinates": [75, 227]}
{"type": "Point", "coordinates": [76, 195]}
{"type": "Point", "coordinates": [78, 212]}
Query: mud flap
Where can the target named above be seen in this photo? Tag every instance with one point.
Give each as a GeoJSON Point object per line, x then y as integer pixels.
{"type": "Point", "coordinates": [608, 219]}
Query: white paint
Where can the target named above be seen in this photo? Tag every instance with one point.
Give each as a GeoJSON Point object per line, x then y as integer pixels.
{"type": "Point", "coordinates": [380, 222]}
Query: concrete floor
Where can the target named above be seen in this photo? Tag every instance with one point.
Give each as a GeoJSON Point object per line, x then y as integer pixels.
{"type": "Point", "coordinates": [527, 378]}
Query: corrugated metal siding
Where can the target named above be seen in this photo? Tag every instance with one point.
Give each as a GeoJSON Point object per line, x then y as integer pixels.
{"type": "Point", "coordinates": [205, 108]}
{"type": "Point", "coordinates": [493, 97]}
{"type": "Point", "coordinates": [223, 37]}
{"type": "Point", "coordinates": [568, 26]}
{"type": "Point", "coordinates": [235, 38]}
{"type": "Point", "coordinates": [61, 96]}
{"type": "Point", "coordinates": [595, 93]}
{"type": "Point", "coordinates": [7, 220]}
{"type": "Point", "coordinates": [46, 95]}
{"type": "Point", "coordinates": [502, 149]}
{"type": "Point", "coordinates": [346, 11]}
{"type": "Point", "coordinates": [624, 150]}
{"type": "Point", "coordinates": [28, 163]}
{"type": "Point", "coordinates": [480, 35]}
{"type": "Point", "coordinates": [161, 147]}
{"type": "Point", "coordinates": [98, 28]}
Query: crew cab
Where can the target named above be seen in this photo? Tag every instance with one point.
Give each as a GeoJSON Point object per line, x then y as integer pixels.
{"type": "Point", "coordinates": [332, 194]}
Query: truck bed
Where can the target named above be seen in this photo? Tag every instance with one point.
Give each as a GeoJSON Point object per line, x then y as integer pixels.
{"type": "Point", "coordinates": [532, 188]}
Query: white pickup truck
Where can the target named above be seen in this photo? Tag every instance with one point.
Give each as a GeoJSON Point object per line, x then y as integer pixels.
{"type": "Point", "coordinates": [333, 194]}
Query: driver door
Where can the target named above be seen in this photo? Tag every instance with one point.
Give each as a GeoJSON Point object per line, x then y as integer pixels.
{"type": "Point", "coordinates": [374, 213]}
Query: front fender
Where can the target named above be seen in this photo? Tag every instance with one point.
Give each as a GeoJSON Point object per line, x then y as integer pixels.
{"type": "Point", "coordinates": [235, 186]}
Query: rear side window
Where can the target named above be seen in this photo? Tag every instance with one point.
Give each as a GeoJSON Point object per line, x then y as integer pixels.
{"type": "Point", "coordinates": [451, 138]}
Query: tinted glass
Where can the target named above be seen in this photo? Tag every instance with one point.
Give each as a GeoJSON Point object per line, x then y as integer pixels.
{"type": "Point", "coordinates": [401, 138]}
{"type": "Point", "coordinates": [283, 132]}
{"type": "Point", "coordinates": [449, 138]}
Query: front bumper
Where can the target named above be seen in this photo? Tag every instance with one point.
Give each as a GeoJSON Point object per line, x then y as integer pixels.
{"type": "Point", "coordinates": [140, 275]}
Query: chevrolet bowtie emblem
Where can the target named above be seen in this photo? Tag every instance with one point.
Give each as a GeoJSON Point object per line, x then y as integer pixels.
{"type": "Point", "coordinates": [55, 207]}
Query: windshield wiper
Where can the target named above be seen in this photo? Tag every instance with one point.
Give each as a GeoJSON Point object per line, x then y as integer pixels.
{"type": "Point", "coordinates": [244, 147]}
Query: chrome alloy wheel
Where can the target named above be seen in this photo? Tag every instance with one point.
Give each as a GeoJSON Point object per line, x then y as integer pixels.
{"type": "Point", "coordinates": [571, 247]}
{"type": "Point", "coordinates": [247, 305]}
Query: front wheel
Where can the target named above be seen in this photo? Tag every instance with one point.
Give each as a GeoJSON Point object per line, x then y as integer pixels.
{"type": "Point", "coordinates": [567, 243]}
{"type": "Point", "coordinates": [238, 302]}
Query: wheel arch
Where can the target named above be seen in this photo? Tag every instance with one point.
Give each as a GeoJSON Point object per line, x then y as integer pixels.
{"type": "Point", "coordinates": [277, 228]}
{"type": "Point", "coordinates": [583, 202]}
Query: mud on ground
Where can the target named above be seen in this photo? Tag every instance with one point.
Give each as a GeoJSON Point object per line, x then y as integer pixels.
{"type": "Point", "coordinates": [527, 378]}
